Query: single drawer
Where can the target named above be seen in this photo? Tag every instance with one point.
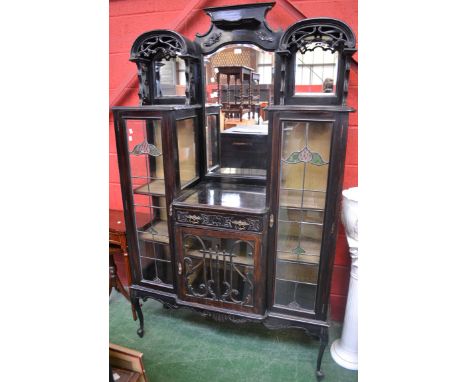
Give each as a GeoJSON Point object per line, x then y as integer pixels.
{"type": "Point", "coordinates": [248, 223]}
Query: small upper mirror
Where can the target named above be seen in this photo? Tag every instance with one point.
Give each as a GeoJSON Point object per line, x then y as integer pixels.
{"type": "Point", "coordinates": [315, 71]}
{"type": "Point", "coordinates": [169, 77]}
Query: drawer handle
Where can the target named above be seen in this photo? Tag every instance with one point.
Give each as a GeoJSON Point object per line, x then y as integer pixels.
{"type": "Point", "coordinates": [180, 268]}
{"type": "Point", "coordinates": [241, 143]}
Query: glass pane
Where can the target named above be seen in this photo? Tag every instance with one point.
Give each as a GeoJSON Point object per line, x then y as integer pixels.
{"type": "Point", "coordinates": [316, 71]}
{"type": "Point", "coordinates": [219, 269]}
{"type": "Point", "coordinates": [152, 224]}
{"type": "Point", "coordinates": [305, 154]}
{"type": "Point", "coordinates": [149, 202]}
{"type": "Point", "coordinates": [145, 149]}
{"type": "Point", "coordinates": [156, 271]}
{"type": "Point", "coordinates": [212, 144]}
{"type": "Point", "coordinates": [295, 296]}
{"type": "Point", "coordinates": [186, 139]}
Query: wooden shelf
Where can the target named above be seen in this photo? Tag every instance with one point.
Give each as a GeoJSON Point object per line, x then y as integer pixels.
{"type": "Point", "coordinates": [156, 188]}
{"type": "Point", "coordinates": [160, 237]}
{"type": "Point", "coordinates": [242, 260]}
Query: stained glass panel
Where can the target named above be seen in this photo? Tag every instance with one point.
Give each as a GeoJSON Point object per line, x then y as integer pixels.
{"type": "Point", "coordinates": [305, 156]}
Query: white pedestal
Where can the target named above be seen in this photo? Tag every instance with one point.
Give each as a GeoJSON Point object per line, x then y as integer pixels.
{"type": "Point", "coordinates": [345, 350]}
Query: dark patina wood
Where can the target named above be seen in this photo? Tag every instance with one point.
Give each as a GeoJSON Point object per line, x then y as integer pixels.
{"type": "Point", "coordinates": [235, 207]}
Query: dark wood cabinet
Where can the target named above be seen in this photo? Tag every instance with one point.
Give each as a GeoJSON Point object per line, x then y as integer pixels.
{"type": "Point", "coordinates": [238, 223]}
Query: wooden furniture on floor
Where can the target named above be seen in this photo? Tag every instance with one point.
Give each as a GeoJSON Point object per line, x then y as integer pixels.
{"type": "Point", "coordinates": [118, 247]}
{"type": "Point", "coordinates": [127, 363]}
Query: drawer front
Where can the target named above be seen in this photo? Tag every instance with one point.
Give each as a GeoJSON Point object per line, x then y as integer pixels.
{"type": "Point", "coordinates": [242, 151]}
{"type": "Point", "coordinates": [217, 220]}
{"type": "Point", "coordinates": [244, 143]}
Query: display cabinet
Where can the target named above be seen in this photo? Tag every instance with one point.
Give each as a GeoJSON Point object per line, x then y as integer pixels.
{"type": "Point", "coordinates": [239, 222]}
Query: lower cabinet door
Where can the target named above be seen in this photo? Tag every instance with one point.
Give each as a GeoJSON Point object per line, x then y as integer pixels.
{"type": "Point", "coordinates": [220, 268]}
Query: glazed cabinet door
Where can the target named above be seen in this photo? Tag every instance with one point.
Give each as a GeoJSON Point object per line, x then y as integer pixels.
{"type": "Point", "coordinates": [144, 189]}
{"type": "Point", "coordinates": [303, 168]}
{"type": "Point", "coordinates": [220, 268]}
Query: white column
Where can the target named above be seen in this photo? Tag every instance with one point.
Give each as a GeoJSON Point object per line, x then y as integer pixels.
{"type": "Point", "coordinates": [345, 350]}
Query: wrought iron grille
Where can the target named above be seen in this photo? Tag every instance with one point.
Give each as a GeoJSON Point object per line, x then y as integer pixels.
{"type": "Point", "coordinates": [219, 272]}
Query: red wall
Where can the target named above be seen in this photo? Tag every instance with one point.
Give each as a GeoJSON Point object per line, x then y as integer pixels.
{"type": "Point", "coordinates": [130, 18]}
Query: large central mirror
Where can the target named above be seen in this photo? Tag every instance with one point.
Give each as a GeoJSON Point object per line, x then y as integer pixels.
{"type": "Point", "coordinates": [239, 78]}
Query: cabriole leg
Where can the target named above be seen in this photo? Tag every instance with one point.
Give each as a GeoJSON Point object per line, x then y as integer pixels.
{"type": "Point", "coordinates": [323, 345]}
{"type": "Point", "coordinates": [137, 307]}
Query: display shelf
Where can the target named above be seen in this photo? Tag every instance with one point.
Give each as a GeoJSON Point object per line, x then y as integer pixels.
{"type": "Point", "coordinates": [155, 188]}
{"type": "Point", "coordinates": [157, 232]}
{"type": "Point", "coordinates": [290, 198]}
{"type": "Point", "coordinates": [301, 215]}
{"type": "Point", "coordinates": [297, 272]}
{"type": "Point", "coordinates": [295, 281]}
{"type": "Point", "coordinates": [301, 259]}
{"type": "Point", "coordinates": [240, 171]}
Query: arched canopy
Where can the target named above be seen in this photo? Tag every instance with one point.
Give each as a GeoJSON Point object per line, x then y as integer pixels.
{"type": "Point", "coordinates": [326, 33]}
{"type": "Point", "coordinates": [161, 44]}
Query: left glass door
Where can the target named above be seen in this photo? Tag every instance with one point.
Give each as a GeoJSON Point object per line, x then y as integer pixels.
{"type": "Point", "coordinates": [146, 162]}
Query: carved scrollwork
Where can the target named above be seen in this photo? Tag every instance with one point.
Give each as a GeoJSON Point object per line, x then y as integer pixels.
{"type": "Point", "coordinates": [213, 39]}
{"type": "Point", "coordinates": [264, 37]}
{"type": "Point", "coordinates": [221, 317]}
{"type": "Point", "coordinates": [159, 47]}
{"type": "Point", "coordinates": [194, 219]}
{"type": "Point", "coordinates": [240, 225]}
{"type": "Point", "coordinates": [143, 90]}
{"type": "Point", "coordinates": [229, 222]}
{"type": "Point", "coordinates": [310, 34]}
{"type": "Point", "coordinates": [312, 37]}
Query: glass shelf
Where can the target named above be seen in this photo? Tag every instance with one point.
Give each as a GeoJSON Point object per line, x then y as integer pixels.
{"type": "Point", "coordinates": [157, 232]}
{"type": "Point", "coordinates": [239, 171]}
{"type": "Point", "coordinates": [297, 272]}
{"type": "Point", "coordinates": [295, 295]}
{"type": "Point", "coordinates": [302, 199]}
{"type": "Point", "coordinates": [292, 257]}
{"type": "Point", "coordinates": [295, 214]}
{"type": "Point", "coordinates": [299, 238]}
{"type": "Point", "coordinates": [295, 281]}
{"type": "Point", "coordinates": [154, 188]}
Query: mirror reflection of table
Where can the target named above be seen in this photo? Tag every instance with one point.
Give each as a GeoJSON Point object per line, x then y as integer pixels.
{"type": "Point", "coordinates": [243, 101]}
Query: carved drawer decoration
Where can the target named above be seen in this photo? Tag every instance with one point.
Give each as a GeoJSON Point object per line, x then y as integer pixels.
{"type": "Point", "coordinates": [251, 224]}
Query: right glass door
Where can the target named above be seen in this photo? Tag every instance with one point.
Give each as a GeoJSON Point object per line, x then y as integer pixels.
{"type": "Point", "coordinates": [305, 153]}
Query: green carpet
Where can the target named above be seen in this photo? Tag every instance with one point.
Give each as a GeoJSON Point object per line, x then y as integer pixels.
{"type": "Point", "coordinates": [180, 345]}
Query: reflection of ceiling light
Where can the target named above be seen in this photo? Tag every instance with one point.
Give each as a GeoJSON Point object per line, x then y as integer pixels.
{"type": "Point", "coordinates": [237, 51]}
